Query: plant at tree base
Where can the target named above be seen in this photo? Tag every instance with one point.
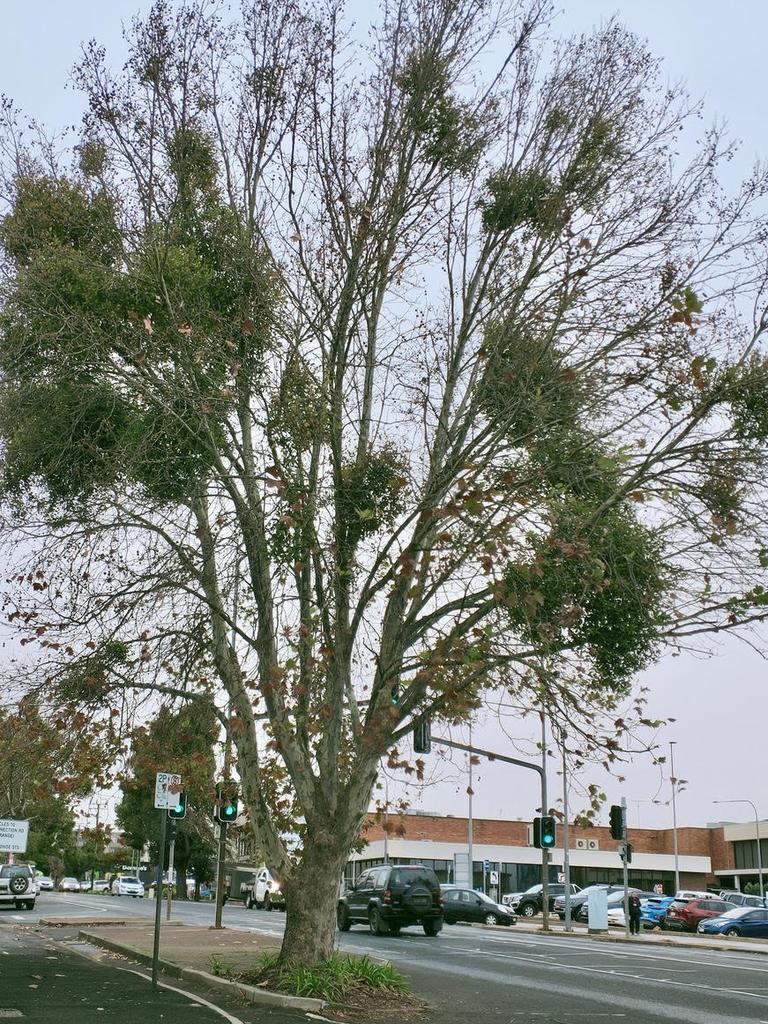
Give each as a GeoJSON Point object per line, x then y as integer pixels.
{"type": "Point", "coordinates": [439, 379]}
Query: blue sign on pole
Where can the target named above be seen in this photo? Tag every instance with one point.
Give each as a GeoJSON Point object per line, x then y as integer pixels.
{"type": "Point", "coordinates": [487, 865]}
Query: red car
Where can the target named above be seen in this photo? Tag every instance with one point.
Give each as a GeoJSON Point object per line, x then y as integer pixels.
{"type": "Point", "coordinates": [686, 914]}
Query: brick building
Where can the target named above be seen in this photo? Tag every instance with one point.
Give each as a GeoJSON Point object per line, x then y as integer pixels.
{"type": "Point", "coordinates": [714, 856]}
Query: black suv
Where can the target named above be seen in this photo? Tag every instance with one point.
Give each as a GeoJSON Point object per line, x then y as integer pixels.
{"type": "Point", "coordinates": [391, 897]}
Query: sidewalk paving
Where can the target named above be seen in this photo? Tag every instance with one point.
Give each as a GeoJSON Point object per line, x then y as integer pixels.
{"type": "Point", "coordinates": [186, 946]}
{"type": "Point", "coordinates": [47, 984]}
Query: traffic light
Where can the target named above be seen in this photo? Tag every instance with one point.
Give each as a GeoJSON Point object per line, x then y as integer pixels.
{"type": "Point", "coordinates": [544, 832]}
{"type": "Point", "coordinates": [625, 852]}
{"type": "Point", "coordinates": [180, 810]}
{"type": "Point", "coordinates": [617, 822]}
{"type": "Point", "coordinates": [422, 737]}
{"type": "Point", "coordinates": [226, 808]}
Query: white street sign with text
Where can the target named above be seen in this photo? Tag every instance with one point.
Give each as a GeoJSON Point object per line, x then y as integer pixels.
{"type": "Point", "coordinates": [13, 835]}
{"type": "Point", "coordinates": [167, 789]}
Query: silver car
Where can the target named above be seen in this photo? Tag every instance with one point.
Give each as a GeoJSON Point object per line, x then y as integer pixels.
{"type": "Point", "coordinates": [17, 886]}
{"type": "Point", "coordinates": [127, 885]}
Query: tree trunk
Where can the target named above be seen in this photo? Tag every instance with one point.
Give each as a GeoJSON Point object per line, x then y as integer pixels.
{"type": "Point", "coordinates": [310, 895]}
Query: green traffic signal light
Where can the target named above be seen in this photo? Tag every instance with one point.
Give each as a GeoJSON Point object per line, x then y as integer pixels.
{"type": "Point", "coordinates": [180, 810]}
{"type": "Point", "coordinates": [544, 832]}
{"type": "Point", "coordinates": [226, 809]}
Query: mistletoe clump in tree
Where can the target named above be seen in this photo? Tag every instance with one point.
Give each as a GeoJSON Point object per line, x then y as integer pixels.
{"type": "Point", "coordinates": [439, 375]}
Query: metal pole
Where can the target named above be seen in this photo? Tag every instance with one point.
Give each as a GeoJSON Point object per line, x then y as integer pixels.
{"type": "Point", "coordinates": [470, 830]}
{"type": "Point", "coordinates": [159, 895]}
{"type": "Point", "coordinates": [759, 852]}
{"type": "Point", "coordinates": [544, 810]}
{"type": "Point", "coordinates": [673, 780]}
{"type": "Point", "coordinates": [386, 822]}
{"type": "Point", "coordinates": [220, 864]}
{"type": "Point", "coordinates": [625, 866]}
{"type": "Point", "coordinates": [171, 851]}
{"type": "Point", "coordinates": [566, 849]}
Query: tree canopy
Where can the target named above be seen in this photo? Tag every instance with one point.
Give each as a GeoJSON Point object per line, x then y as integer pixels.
{"type": "Point", "coordinates": [343, 383]}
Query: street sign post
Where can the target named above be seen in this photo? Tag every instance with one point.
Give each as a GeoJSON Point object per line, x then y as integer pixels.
{"type": "Point", "coordinates": [167, 790]}
{"type": "Point", "coordinates": [13, 835]}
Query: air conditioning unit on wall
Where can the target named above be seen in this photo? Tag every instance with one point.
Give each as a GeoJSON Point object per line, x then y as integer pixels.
{"type": "Point", "coordinates": [587, 844]}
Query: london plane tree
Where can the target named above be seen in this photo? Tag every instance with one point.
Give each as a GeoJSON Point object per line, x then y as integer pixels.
{"type": "Point", "coordinates": [348, 377]}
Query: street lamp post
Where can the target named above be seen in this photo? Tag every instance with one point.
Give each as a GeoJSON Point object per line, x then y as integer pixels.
{"type": "Point", "coordinates": [757, 837]}
{"type": "Point", "coordinates": [673, 780]}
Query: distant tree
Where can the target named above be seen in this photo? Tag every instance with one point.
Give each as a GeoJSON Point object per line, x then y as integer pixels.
{"type": "Point", "coordinates": [179, 741]}
{"type": "Point", "coordinates": [45, 764]}
{"type": "Point", "coordinates": [428, 355]}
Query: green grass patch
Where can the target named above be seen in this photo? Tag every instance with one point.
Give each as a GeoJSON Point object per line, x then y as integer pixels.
{"type": "Point", "coordinates": [334, 980]}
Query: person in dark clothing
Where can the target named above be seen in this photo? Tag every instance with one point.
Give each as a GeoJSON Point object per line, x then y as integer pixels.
{"type": "Point", "coordinates": [634, 914]}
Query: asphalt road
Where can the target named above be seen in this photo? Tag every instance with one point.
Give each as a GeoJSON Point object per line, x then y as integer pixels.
{"type": "Point", "coordinates": [471, 973]}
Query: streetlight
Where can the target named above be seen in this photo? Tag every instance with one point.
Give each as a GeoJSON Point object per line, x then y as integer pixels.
{"type": "Point", "coordinates": [757, 837]}
{"type": "Point", "coordinates": [673, 780]}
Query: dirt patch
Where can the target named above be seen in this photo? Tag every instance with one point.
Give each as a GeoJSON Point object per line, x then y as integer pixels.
{"type": "Point", "coordinates": [378, 1006]}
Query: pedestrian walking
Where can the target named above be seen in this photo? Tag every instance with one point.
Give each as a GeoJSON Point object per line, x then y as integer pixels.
{"type": "Point", "coordinates": [634, 914]}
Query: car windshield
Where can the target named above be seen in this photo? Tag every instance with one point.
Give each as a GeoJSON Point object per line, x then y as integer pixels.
{"type": "Point", "coordinates": [134, 880]}
{"type": "Point", "coordinates": [11, 870]}
{"type": "Point", "coordinates": [737, 912]}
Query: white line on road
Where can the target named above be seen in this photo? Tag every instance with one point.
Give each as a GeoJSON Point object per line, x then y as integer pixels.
{"type": "Point", "coordinates": [189, 995]}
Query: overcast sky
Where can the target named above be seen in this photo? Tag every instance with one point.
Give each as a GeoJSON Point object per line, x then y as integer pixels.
{"type": "Point", "coordinates": [719, 703]}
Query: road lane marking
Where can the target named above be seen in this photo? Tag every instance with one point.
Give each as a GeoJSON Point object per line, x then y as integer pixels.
{"type": "Point", "coordinates": [615, 974]}
{"type": "Point", "coordinates": [189, 995]}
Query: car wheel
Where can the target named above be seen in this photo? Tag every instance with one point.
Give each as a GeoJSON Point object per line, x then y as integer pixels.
{"type": "Point", "coordinates": [732, 931]}
{"type": "Point", "coordinates": [250, 903]}
{"type": "Point", "coordinates": [432, 928]}
{"type": "Point", "coordinates": [342, 918]}
{"type": "Point", "coordinates": [267, 902]}
{"type": "Point", "coordinates": [491, 919]}
{"type": "Point", "coordinates": [377, 925]}
{"type": "Point", "coordinates": [527, 910]}
{"type": "Point", "coordinates": [30, 904]}
{"type": "Point", "coordinates": [394, 929]}
{"type": "Point", "coordinates": [448, 920]}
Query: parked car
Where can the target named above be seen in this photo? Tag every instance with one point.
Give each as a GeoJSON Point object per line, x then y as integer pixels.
{"type": "Point", "coordinates": [529, 903]}
{"type": "Point", "coordinates": [17, 886]}
{"type": "Point", "coordinates": [694, 894]}
{"type": "Point", "coordinates": [468, 905]}
{"type": "Point", "coordinates": [44, 883]}
{"type": "Point", "coordinates": [127, 885]}
{"type": "Point", "coordinates": [100, 885]}
{"type": "Point", "coordinates": [69, 885]}
{"type": "Point", "coordinates": [741, 899]}
{"type": "Point", "coordinates": [391, 897]}
{"type": "Point", "coordinates": [747, 921]}
{"type": "Point", "coordinates": [686, 914]}
{"type": "Point", "coordinates": [263, 892]}
{"type": "Point", "coordinates": [653, 911]}
{"type": "Point", "coordinates": [580, 900]}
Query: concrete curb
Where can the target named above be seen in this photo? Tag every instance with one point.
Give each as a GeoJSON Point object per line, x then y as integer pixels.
{"type": "Point", "coordinates": [759, 946]}
{"type": "Point", "coordinates": [76, 922]}
{"type": "Point", "coordinates": [249, 992]}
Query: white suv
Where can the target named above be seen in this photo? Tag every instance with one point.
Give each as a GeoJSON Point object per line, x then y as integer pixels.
{"type": "Point", "coordinates": [17, 886]}
{"type": "Point", "coordinates": [127, 885]}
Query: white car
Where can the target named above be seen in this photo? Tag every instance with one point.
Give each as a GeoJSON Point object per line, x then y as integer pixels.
{"type": "Point", "coordinates": [127, 885]}
{"type": "Point", "coordinates": [44, 883]}
{"type": "Point", "coordinates": [17, 886]}
{"type": "Point", "coordinates": [69, 885]}
{"type": "Point", "coordinates": [100, 885]}
{"type": "Point", "coordinates": [263, 892]}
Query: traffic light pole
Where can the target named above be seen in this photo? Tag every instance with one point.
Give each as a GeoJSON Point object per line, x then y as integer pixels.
{"type": "Point", "coordinates": [543, 779]}
{"type": "Point", "coordinates": [171, 852]}
{"type": "Point", "coordinates": [220, 865]}
{"type": "Point", "coordinates": [626, 867]}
